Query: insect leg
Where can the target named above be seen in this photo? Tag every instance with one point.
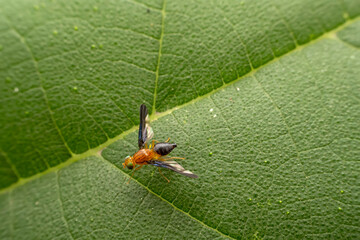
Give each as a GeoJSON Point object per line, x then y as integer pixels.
{"type": "Point", "coordinates": [134, 173]}
{"type": "Point", "coordinates": [163, 175]}
{"type": "Point", "coordinates": [167, 140]}
{"type": "Point", "coordinates": [152, 144]}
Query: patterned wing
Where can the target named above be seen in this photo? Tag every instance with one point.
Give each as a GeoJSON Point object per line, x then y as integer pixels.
{"type": "Point", "coordinates": [145, 131]}
{"type": "Point", "coordinates": [173, 165]}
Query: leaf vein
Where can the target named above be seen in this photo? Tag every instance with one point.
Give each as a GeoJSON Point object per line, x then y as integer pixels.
{"type": "Point", "coordinates": [163, 199]}
{"type": "Point", "coordinates": [163, 14]}
{"type": "Point", "coordinates": [153, 117]}
{"type": "Point", "coordinates": [61, 205]}
{"type": "Point", "coordinates": [22, 39]}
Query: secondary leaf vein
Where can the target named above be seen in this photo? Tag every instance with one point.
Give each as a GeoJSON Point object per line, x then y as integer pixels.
{"type": "Point", "coordinates": [163, 14]}
{"type": "Point", "coordinates": [163, 199]}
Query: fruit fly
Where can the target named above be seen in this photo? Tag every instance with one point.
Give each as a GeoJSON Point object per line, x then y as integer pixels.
{"type": "Point", "coordinates": [155, 153]}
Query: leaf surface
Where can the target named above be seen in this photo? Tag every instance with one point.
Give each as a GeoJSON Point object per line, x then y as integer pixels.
{"type": "Point", "coordinates": [263, 106]}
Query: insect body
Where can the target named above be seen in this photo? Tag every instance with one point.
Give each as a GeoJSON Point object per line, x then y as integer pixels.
{"type": "Point", "coordinates": [143, 156]}
{"type": "Point", "coordinates": [154, 154]}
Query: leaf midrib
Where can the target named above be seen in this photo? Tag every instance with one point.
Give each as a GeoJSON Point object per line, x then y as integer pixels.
{"type": "Point", "coordinates": [154, 116]}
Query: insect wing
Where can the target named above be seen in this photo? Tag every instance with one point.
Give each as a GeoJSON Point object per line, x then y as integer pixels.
{"type": "Point", "coordinates": [149, 130]}
{"type": "Point", "coordinates": [173, 165]}
{"type": "Point", "coordinates": [145, 131]}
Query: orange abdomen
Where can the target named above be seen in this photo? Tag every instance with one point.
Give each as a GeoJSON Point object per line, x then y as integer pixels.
{"type": "Point", "coordinates": [144, 155]}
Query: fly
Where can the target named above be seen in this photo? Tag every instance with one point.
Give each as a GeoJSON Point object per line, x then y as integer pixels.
{"type": "Point", "coordinates": [155, 153]}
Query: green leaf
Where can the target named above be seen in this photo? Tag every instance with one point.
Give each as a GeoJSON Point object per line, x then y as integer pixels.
{"type": "Point", "coordinates": [261, 97]}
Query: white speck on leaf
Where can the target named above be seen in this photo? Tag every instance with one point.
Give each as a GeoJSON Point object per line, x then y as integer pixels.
{"type": "Point", "coordinates": [211, 109]}
{"type": "Point", "coordinates": [214, 115]}
{"type": "Point", "coordinates": [16, 89]}
{"type": "Point", "coordinates": [238, 89]}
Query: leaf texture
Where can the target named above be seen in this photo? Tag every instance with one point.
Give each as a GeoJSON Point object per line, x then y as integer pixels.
{"type": "Point", "coordinates": [262, 99]}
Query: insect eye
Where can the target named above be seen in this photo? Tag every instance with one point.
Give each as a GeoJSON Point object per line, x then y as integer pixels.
{"type": "Point", "coordinates": [130, 165]}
